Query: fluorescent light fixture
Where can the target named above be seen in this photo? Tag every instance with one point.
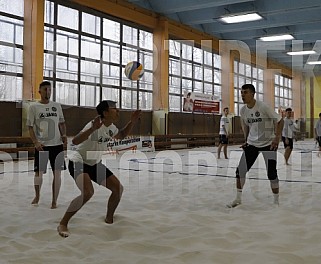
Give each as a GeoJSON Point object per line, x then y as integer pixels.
{"type": "Point", "coordinates": [314, 62]}
{"type": "Point", "coordinates": [277, 37]}
{"type": "Point", "coordinates": [238, 18]}
{"type": "Point", "coordinates": [302, 52]}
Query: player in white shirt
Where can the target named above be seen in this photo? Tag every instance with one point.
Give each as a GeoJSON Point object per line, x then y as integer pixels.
{"type": "Point", "coordinates": [85, 163]}
{"type": "Point", "coordinates": [259, 123]}
{"type": "Point", "coordinates": [287, 134]}
{"type": "Point", "coordinates": [223, 134]}
{"type": "Point", "coordinates": [317, 132]}
{"type": "Point", "coordinates": [47, 130]}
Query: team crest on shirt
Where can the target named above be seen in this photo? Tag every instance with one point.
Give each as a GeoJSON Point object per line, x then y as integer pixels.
{"type": "Point", "coordinates": [111, 133]}
{"type": "Point", "coordinates": [54, 109]}
{"type": "Point", "coordinates": [255, 119]}
{"type": "Point", "coordinates": [102, 139]}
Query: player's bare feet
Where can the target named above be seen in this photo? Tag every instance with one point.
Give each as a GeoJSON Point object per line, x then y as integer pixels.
{"type": "Point", "coordinates": [109, 220]}
{"type": "Point", "coordinates": [63, 231]}
{"type": "Point", "coordinates": [35, 201]}
{"type": "Point", "coordinates": [234, 203]}
{"type": "Point", "coordinates": [53, 205]}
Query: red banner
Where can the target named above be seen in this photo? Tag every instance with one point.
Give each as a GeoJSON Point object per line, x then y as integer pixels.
{"type": "Point", "coordinates": [202, 103]}
{"type": "Point", "coordinates": [206, 106]}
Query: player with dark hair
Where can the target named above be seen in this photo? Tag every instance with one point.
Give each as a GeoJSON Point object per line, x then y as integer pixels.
{"type": "Point", "coordinates": [47, 131]}
{"type": "Point", "coordinates": [287, 134]}
{"type": "Point", "coordinates": [85, 163]}
{"type": "Point", "coordinates": [223, 133]}
{"type": "Point", "coordinates": [262, 129]}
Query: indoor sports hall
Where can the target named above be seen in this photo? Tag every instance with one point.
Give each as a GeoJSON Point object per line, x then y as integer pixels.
{"type": "Point", "coordinates": [180, 121]}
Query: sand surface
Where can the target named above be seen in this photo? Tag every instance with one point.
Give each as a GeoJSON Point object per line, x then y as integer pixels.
{"type": "Point", "coordinates": [172, 212]}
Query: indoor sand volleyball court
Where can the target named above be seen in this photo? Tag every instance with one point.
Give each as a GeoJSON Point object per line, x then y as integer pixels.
{"type": "Point", "coordinates": [147, 117]}
{"type": "Point", "coordinates": [173, 210]}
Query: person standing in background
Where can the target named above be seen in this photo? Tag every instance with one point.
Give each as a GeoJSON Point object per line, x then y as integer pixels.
{"type": "Point", "coordinates": [223, 134]}
{"type": "Point", "coordinates": [47, 130]}
{"type": "Point", "coordinates": [287, 134]}
{"type": "Point", "coordinates": [317, 133]}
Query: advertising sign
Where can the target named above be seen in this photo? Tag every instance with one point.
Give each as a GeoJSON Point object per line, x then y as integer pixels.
{"type": "Point", "coordinates": [202, 103]}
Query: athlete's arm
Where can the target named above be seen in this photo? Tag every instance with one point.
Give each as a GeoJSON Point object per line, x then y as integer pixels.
{"type": "Point", "coordinates": [278, 131]}
{"type": "Point", "coordinates": [245, 129]}
{"type": "Point", "coordinates": [62, 129]}
{"type": "Point", "coordinates": [83, 135]}
{"type": "Point", "coordinates": [126, 129]}
{"type": "Point", "coordinates": [34, 139]}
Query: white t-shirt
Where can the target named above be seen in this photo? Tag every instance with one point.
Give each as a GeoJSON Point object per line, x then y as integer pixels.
{"type": "Point", "coordinates": [44, 118]}
{"type": "Point", "coordinates": [224, 122]}
{"type": "Point", "coordinates": [317, 126]}
{"type": "Point", "coordinates": [91, 150]}
{"type": "Point", "coordinates": [260, 120]}
{"type": "Point", "coordinates": [288, 128]}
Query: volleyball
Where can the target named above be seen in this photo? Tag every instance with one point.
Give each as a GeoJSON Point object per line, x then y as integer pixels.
{"type": "Point", "coordinates": [134, 70]}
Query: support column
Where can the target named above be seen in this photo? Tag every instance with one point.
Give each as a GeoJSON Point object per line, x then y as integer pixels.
{"type": "Point", "coordinates": [311, 106]}
{"type": "Point", "coordinates": [297, 95]}
{"type": "Point", "coordinates": [268, 84]}
{"type": "Point", "coordinates": [160, 81]}
{"type": "Point", "coordinates": [161, 57]}
{"type": "Point", "coordinates": [33, 45]}
{"type": "Point", "coordinates": [227, 59]}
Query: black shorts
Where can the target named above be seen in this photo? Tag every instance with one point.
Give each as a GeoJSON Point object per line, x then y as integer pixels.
{"type": "Point", "coordinates": [56, 156]}
{"type": "Point", "coordinates": [97, 173]}
{"type": "Point", "coordinates": [249, 156]}
{"type": "Point", "coordinates": [290, 143]}
{"type": "Point", "coordinates": [223, 139]}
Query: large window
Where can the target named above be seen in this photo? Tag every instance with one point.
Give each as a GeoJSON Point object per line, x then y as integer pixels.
{"type": "Point", "coordinates": [85, 55]}
{"type": "Point", "coordinates": [245, 73]}
{"type": "Point", "coordinates": [192, 69]}
{"type": "Point", "coordinates": [282, 92]}
{"type": "Point", "coordinates": [11, 49]}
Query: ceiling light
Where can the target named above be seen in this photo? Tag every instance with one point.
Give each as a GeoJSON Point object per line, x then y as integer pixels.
{"type": "Point", "coordinates": [302, 52]}
{"type": "Point", "coordinates": [314, 62]}
{"type": "Point", "coordinates": [277, 37]}
{"type": "Point", "coordinates": [240, 18]}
